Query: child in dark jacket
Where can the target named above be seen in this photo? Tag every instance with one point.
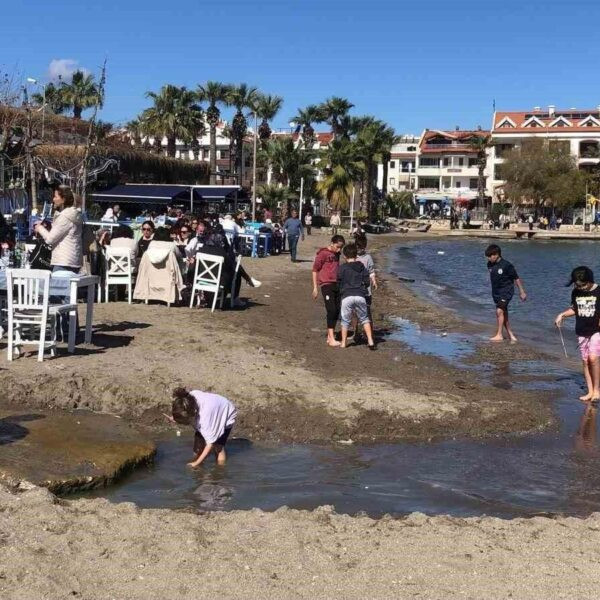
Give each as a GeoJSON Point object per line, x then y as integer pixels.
{"type": "Point", "coordinates": [353, 281]}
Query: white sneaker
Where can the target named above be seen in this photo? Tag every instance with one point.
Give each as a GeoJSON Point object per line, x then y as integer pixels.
{"type": "Point", "coordinates": [255, 282]}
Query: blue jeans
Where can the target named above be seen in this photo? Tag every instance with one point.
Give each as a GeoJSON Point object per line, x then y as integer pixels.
{"type": "Point", "coordinates": [293, 245]}
{"type": "Point", "coordinates": [64, 318]}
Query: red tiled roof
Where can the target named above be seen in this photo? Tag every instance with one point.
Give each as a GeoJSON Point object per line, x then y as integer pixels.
{"type": "Point", "coordinates": [520, 117]}
{"type": "Point", "coordinates": [457, 141]}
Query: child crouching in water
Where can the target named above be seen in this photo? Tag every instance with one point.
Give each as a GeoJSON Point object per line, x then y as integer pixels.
{"type": "Point", "coordinates": [585, 307]}
{"type": "Point", "coordinates": [211, 415]}
{"type": "Point", "coordinates": [353, 281]}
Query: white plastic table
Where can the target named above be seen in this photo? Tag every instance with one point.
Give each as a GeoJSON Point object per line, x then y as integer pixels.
{"type": "Point", "coordinates": [67, 284]}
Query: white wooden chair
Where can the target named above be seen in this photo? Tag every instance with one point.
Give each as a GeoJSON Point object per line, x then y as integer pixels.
{"type": "Point", "coordinates": [119, 270]}
{"type": "Point", "coordinates": [29, 311]}
{"type": "Point", "coordinates": [207, 278]}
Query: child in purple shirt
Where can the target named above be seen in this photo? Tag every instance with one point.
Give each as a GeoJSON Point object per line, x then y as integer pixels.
{"type": "Point", "coordinates": [212, 416]}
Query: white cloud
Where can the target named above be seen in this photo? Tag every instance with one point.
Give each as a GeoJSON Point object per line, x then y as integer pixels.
{"type": "Point", "coordinates": [63, 68]}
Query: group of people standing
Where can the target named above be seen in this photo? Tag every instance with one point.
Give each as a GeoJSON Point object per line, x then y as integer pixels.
{"type": "Point", "coordinates": [346, 289]}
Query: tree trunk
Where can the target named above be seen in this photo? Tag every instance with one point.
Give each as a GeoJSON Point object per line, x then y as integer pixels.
{"type": "Point", "coordinates": [213, 155]}
{"type": "Point", "coordinates": [384, 183]}
{"type": "Point", "coordinates": [171, 146]}
{"type": "Point", "coordinates": [481, 183]}
{"type": "Point", "coordinates": [77, 110]}
{"type": "Point", "coordinates": [369, 183]}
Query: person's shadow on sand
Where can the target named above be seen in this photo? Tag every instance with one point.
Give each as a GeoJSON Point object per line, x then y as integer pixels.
{"type": "Point", "coordinates": [12, 431]}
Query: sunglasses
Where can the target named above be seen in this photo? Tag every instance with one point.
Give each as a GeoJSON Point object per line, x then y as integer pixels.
{"type": "Point", "coordinates": [146, 229]}
{"type": "Point", "coordinates": [184, 231]}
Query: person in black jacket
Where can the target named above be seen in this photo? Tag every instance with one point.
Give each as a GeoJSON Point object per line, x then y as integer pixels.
{"type": "Point", "coordinates": [353, 283]}
{"type": "Point", "coordinates": [7, 238]}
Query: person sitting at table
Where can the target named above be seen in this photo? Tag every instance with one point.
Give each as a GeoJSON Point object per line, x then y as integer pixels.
{"type": "Point", "coordinates": [65, 237]}
{"type": "Point", "coordinates": [159, 273]}
{"type": "Point", "coordinates": [122, 237]}
{"type": "Point", "coordinates": [144, 241]}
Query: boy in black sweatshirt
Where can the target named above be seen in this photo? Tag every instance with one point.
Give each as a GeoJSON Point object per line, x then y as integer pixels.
{"type": "Point", "coordinates": [353, 282]}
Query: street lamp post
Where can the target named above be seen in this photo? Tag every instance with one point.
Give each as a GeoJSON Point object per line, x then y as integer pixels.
{"type": "Point", "coordinates": [254, 168]}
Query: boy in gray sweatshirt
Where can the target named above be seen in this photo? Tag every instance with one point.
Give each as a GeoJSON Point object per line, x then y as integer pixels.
{"type": "Point", "coordinates": [353, 281]}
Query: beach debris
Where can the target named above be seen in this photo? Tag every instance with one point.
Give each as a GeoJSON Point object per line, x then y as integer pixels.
{"type": "Point", "coordinates": [406, 279]}
{"type": "Point", "coordinates": [267, 296]}
{"type": "Point", "coordinates": [346, 442]}
{"type": "Point", "coordinates": [444, 333]}
{"type": "Point", "coordinates": [178, 433]}
{"type": "Point", "coordinates": [441, 252]}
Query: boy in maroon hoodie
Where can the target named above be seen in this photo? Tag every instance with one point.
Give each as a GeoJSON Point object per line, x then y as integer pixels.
{"type": "Point", "coordinates": [325, 276]}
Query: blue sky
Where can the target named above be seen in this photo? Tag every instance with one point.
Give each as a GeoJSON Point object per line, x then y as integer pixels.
{"type": "Point", "coordinates": [417, 64]}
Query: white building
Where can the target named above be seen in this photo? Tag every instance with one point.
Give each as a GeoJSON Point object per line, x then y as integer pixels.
{"type": "Point", "coordinates": [447, 171]}
{"type": "Point", "coordinates": [401, 173]}
{"type": "Point", "coordinates": [577, 130]}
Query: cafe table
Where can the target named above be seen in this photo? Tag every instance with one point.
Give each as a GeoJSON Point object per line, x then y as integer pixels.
{"type": "Point", "coordinates": [67, 285]}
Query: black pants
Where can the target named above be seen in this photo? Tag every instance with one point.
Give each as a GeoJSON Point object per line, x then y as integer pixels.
{"type": "Point", "coordinates": [332, 299]}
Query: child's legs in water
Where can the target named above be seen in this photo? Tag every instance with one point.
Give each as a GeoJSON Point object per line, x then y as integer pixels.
{"type": "Point", "coordinates": [590, 354]}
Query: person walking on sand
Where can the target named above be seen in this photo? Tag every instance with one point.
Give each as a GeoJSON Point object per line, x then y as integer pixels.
{"type": "Point", "coordinates": [212, 417]}
{"type": "Point", "coordinates": [325, 277]}
{"type": "Point", "coordinates": [294, 231]}
{"type": "Point", "coordinates": [503, 277]}
{"type": "Point", "coordinates": [308, 223]}
{"type": "Point", "coordinates": [335, 221]}
{"type": "Point", "coordinates": [353, 281]}
{"type": "Point", "coordinates": [585, 307]}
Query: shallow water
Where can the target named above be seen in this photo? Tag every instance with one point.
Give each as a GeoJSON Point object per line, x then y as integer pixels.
{"type": "Point", "coordinates": [555, 472]}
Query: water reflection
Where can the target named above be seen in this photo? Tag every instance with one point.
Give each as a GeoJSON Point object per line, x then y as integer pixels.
{"type": "Point", "coordinates": [586, 442]}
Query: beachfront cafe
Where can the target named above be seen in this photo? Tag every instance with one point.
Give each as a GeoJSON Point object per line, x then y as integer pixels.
{"type": "Point", "coordinates": [195, 198]}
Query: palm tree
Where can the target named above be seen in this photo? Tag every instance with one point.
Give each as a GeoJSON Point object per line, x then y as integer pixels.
{"type": "Point", "coordinates": [276, 196]}
{"type": "Point", "coordinates": [241, 96]}
{"type": "Point", "coordinates": [135, 129]}
{"type": "Point", "coordinates": [304, 119]}
{"type": "Point", "coordinates": [480, 144]}
{"type": "Point", "coordinates": [266, 107]}
{"type": "Point", "coordinates": [333, 110]}
{"type": "Point", "coordinates": [175, 115]}
{"type": "Point", "coordinates": [341, 167]}
{"type": "Point", "coordinates": [81, 93]}
{"type": "Point", "coordinates": [214, 93]}
{"type": "Point", "coordinates": [54, 99]}
{"type": "Point", "coordinates": [289, 164]}
{"type": "Point", "coordinates": [371, 141]}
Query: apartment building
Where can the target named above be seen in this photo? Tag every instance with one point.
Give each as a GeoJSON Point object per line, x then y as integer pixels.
{"type": "Point", "coordinates": [401, 172]}
{"type": "Point", "coordinates": [447, 171]}
{"type": "Point", "coordinates": [577, 130]}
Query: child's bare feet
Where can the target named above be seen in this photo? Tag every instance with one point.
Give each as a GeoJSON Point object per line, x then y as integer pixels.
{"type": "Point", "coordinates": [497, 338]}
{"type": "Point", "coordinates": [333, 344]}
{"type": "Point", "coordinates": [342, 345]}
{"type": "Point", "coordinates": [513, 339]}
{"type": "Point", "coordinates": [586, 398]}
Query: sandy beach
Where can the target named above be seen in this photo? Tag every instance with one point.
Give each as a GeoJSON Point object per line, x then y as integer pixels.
{"type": "Point", "coordinates": [271, 359]}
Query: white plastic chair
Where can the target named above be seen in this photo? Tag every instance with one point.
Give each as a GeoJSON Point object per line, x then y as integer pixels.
{"type": "Point", "coordinates": [119, 270]}
{"type": "Point", "coordinates": [29, 311]}
{"type": "Point", "coordinates": [207, 278]}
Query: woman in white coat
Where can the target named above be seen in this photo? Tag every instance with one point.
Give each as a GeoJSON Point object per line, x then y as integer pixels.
{"type": "Point", "coordinates": [65, 237]}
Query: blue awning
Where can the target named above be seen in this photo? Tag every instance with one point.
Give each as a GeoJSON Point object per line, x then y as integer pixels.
{"type": "Point", "coordinates": [165, 194]}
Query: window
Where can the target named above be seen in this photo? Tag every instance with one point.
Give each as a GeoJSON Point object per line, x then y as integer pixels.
{"type": "Point", "coordinates": [473, 183]}
{"type": "Point", "coordinates": [392, 181]}
{"type": "Point", "coordinates": [498, 173]}
{"type": "Point", "coordinates": [458, 184]}
{"type": "Point", "coordinates": [461, 161]}
{"type": "Point", "coordinates": [224, 154]}
{"type": "Point", "coordinates": [472, 162]}
{"type": "Point", "coordinates": [411, 149]}
{"type": "Point", "coordinates": [427, 161]}
{"type": "Point", "coordinates": [429, 183]}
{"type": "Point", "coordinates": [392, 164]}
{"type": "Point", "coordinates": [408, 166]}
{"type": "Point", "coordinates": [502, 149]}
{"type": "Point", "coordinates": [447, 161]}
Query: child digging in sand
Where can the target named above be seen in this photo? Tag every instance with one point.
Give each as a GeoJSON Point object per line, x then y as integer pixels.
{"type": "Point", "coordinates": [353, 281]}
{"type": "Point", "coordinates": [212, 416]}
{"type": "Point", "coordinates": [503, 277]}
{"type": "Point", "coordinates": [585, 307]}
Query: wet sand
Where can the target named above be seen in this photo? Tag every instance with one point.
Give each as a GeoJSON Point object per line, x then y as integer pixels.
{"type": "Point", "coordinates": [272, 361]}
{"type": "Point", "coordinates": [53, 549]}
